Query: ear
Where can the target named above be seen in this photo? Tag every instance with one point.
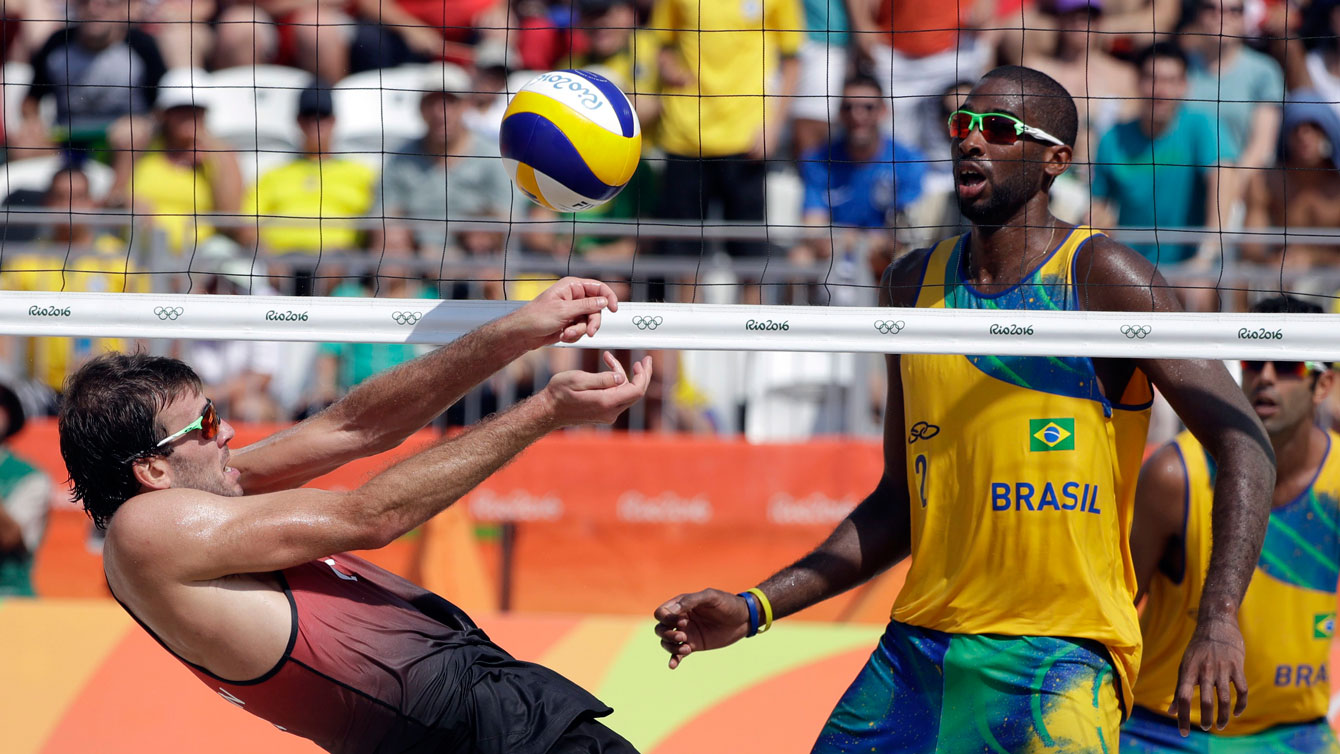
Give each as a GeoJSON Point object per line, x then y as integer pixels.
{"type": "Point", "coordinates": [1325, 383]}
{"type": "Point", "coordinates": [1056, 160]}
{"type": "Point", "coordinates": [153, 473]}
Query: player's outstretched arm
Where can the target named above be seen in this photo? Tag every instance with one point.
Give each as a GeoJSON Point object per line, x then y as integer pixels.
{"type": "Point", "coordinates": [191, 536]}
{"type": "Point", "coordinates": [874, 536]}
{"type": "Point", "coordinates": [381, 412]}
{"type": "Point", "coordinates": [1203, 394]}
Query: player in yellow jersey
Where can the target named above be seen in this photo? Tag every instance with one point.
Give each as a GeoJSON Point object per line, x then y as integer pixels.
{"type": "Point", "coordinates": [1288, 615]}
{"type": "Point", "coordinates": [1009, 481]}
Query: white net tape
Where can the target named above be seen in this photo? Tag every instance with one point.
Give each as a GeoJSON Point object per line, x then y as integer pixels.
{"type": "Point", "coordinates": [687, 326]}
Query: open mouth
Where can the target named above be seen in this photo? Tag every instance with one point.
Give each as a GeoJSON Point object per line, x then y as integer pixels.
{"type": "Point", "coordinates": [1264, 405]}
{"type": "Point", "coordinates": [970, 176]}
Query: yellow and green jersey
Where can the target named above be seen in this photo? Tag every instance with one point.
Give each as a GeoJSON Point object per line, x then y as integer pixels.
{"type": "Point", "coordinates": [1287, 616]}
{"type": "Point", "coordinates": [1022, 476]}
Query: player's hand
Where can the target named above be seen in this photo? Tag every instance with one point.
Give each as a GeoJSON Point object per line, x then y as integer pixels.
{"type": "Point", "coordinates": [709, 619]}
{"type": "Point", "coordinates": [1212, 663]}
{"type": "Point", "coordinates": [565, 312]}
{"type": "Point", "coordinates": [578, 397]}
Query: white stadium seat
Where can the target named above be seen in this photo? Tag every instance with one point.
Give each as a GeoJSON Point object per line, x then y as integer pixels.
{"type": "Point", "coordinates": [256, 107]}
{"type": "Point", "coordinates": [35, 174]}
{"type": "Point", "coordinates": [378, 111]}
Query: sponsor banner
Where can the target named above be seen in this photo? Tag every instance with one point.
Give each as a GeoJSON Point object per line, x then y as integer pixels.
{"type": "Point", "coordinates": [645, 480]}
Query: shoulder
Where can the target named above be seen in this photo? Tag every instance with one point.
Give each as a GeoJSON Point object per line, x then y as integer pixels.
{"type": "Point", "coordinates": [1111, 276]}
{"type": "Point", "coordinates": [142, 42]}
{"type": "Point", "coordinates": [55, 41]}
{"type": "Point", "coordinates": [899, 151]}
{"type": "Point", "coordinates": [142, 525]}
{"type": "Point", "coordinates": [901, 280]}
{"type": "Point", "coordinates": [1164, 470]}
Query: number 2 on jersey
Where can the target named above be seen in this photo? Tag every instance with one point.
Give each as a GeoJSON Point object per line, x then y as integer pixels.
{"type": "Point", "coordinates": [921, 474]}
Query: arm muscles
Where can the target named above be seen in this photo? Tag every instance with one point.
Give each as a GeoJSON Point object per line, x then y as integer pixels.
{"type": "Point", "coordinates": [1212, 407]}
{"type": "Point", "coordinates": [189, 535]}
{"type": "Point", "coordinates": [877, 533]}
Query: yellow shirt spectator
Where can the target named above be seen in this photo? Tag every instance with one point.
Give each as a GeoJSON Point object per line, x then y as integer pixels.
{"type": "Point", "coordinates": [730, 50]}
{"type": "Point", "coordinates": [331, 188]}
{"type": "Point", "coordinates": [107, 271]}
{"type": "Point", "coordinates": [176, 194]}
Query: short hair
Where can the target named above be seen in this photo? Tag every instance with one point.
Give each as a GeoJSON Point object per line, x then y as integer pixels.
{"type": "Point", "coordinates": [863, 79]}
{"type": "Point", "coordinates": [108, 415]}
{"type": "Point", "coordinates": [1285, 304]}
{"type": "Point", "coordinates": [1050, 107]}
{"type": "Point", "coordinates": [1162, 50]}
{"type": "Point", "coordinates": [65, 173]}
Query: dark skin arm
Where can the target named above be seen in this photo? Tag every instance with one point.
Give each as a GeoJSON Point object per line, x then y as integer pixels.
{"type": "Point", "coordinates": [1112, 277]}
{"type": "Point", "coordinates": [1160, 513]}
{"type": "Point", "coordinates": [874, 536]}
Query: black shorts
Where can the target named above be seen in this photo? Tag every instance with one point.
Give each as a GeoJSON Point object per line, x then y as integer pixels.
{"type": "Point", "coordinates": [588, 735]}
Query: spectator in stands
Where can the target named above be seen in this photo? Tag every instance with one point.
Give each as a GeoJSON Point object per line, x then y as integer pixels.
{"type": "Point", "coordinates": [25, 499]}
{"type": "Point", "coordinates": [316, 184]}
{"type": "Point", "coordinates": [182, 30]}
{"type": "Point", "coordinates": [185, 172]}
{"type": "Point", "coordinates": [716, 127]}
{"type": "Point", "coordinates": [861, 182]}
{"type": "Point", "coordinates": [823, 66]}
{"type": "Point", "coordinates": [1301, 191]}
{"type": "Point", "coordinates": [333, 38]}
{"type": "Point", "coordinates": [77, 257]}
{"type": "Point", "coordinates": [101, 70]}
{"type": "Point", "coordinates": [1160, 170]}
{"type": "Point", "coordinates": [1321, 62]}
{"type": "Point", "coordinates": [1242, 88]}
{"type": "Point", "coordinates": [449, 174]}
{"type": "Point", "coordinates": [916, 50]}
{"type": "Point", "coordinates": [622, 52]}
{"type": "Point", "coordinates": [239, 375]}
{"type": "Point", "coordinates": [488, 98]}
{"type": "Point", "coordinates": [1103, 87]}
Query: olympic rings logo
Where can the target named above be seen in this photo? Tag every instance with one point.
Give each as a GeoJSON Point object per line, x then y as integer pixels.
{"type": "Point", "coordinates": [166, 313]}
{"type": "Point", "coordinates": [922, 431]}
{"type": "Point", "coordinates": [889, 326]}
{"type": "Point", "coordinates": [406, 318]}
{"type": "Point", "coordinates": [1135, 331]}
{"type": "Point", "coordinates": [647, 323]}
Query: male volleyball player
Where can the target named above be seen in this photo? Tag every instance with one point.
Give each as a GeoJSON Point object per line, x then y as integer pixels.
{"type": "Point", "coordinates": [238, 573]}
{"type": "Point", "coordinates": [1009, 481]}
{"type": "Point", "coordinates": [1288, 614]}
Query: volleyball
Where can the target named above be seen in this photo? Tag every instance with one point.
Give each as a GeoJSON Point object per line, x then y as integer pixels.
{"type": "Point", "coordinates": [570, 140]}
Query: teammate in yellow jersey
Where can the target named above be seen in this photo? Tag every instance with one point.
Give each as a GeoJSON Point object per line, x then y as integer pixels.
{"type": "Point", "coordinates": [1009, 481]}
{"type": "Point", "coordinates": [1288, 615]}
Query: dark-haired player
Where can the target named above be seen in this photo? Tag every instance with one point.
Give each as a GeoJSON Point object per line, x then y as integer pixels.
{"type": "Point", "coordinates": [238, 571]}
{"type": "Point", "coordinates": [1288, 614]}
{"type": "Point", "coordinates": [1009, 482]}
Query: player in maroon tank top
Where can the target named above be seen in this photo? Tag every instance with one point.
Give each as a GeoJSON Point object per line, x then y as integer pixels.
{"type": "Point", "coordinates": [236, 569]}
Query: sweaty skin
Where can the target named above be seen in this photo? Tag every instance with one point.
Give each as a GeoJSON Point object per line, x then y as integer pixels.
{"type": "Point", "coordinates": [193, 555]}
{"type": "Point", "coordinates": [1012, 231]}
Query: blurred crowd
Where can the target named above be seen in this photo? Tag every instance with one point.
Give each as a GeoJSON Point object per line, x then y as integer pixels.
{"type": "Point", "coordinates": [349, 148]}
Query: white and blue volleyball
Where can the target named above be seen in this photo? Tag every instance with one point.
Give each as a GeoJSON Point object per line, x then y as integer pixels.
{"type": "Point", "coordinates": [570, 140]}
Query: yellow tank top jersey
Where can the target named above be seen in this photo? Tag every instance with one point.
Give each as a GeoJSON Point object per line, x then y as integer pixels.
{"type": "Point", "coordinates": [1287, 616]}
{"type": "Point", "coordinates": [1022, 477]}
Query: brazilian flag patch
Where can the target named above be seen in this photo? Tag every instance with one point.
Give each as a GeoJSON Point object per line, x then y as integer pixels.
{"type": "Point", "coordinates": [1323, 626]}
{"type": "Point", "coordinates": [1051, 434]}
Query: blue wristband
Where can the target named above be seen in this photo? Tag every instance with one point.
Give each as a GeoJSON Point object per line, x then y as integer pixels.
{"type": "Point", "coordinates": [753, 613]}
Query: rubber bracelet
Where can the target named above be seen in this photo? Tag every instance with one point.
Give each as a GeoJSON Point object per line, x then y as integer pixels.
{"type": "Point", "coordinates": [750, 602]}
{"type": "Point", "coordinates": [767, 608]}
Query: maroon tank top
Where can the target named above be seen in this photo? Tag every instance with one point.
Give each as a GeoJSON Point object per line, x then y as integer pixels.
{"type": "Point", "coordinates": [375, 663]}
